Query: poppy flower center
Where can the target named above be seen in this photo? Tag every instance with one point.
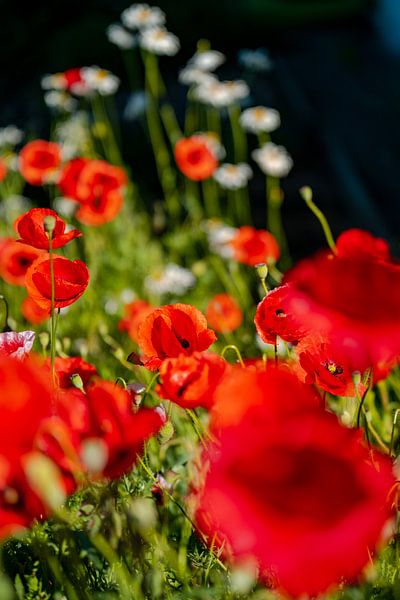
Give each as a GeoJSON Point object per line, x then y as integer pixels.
{"type": "Point", "coordinates": [333, 368]}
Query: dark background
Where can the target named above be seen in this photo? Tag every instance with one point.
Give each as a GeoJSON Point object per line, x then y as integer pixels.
{"type": "Point", "coordinates": [335, 80]}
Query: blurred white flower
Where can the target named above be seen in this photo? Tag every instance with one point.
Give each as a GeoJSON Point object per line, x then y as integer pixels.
{"type": "Point", "coordinates": [173, 280]}
{"type": "Point", "coordinates": [65, 207]}
{"type": "Point", "coordinates": [219, 235]}
{"type": "Point", "coordinates": [139, 16]}
{"type": "Point", "coordinates": [221, 93]}
{"type": "Point", "coordinates": [136, 105]}
{"type": "Point", "coordinates": [194, 76]}
{"type": "Point", "coordinates": [12, 207]}
{"type": "Point", "coordinates": [127, 295]}
{"type": "Point", "coordinates": [73, 134]}
{"type": "Point", "coordinates": [111, 306]}
{"type": "Point", "coordinates": [60, 100]}
{"type": "Point", "coordinates": [273, 160]}
{"type": "Point", "coordinates": [260, 119]}
{"type": "Point", "coordinates": [207, 61]}
{"type": "Point", "coordinates": [118, 35]}
{"type": "Point", "coordinates": [55, 81]}
{"type": "Point", "coordinates": [100, 80]}
{"type": "Point", "coordinates": [213, 142]}
{"type": "Point", "coordinates": [10, 135]}
{"type": "Point", "coordinates": [255, 60]}
{"type": "Point", "coordinates": [159, 41]}
{"type": "Point", "coordinates": [233, 177]}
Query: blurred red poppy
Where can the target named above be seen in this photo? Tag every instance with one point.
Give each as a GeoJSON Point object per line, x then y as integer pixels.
{"type": "Point", "coordinates": [30, 227]}
{"type": "Point", "coordinates": [69, 176]}
{"type": "Point", "coordinates": [134, 314]}
{"type": "Point", "coordinates": [3, 169]}
{"type": "Point", "coordinates": [15, 260]}
{"type": "Point", "coordinates": [195, 158]}
{"type": "Point", "coordinates": [253, 246]}
{"type": "Point", "coordinates": [223, 313]}
{"type": "Point", "coordinates": [71, 278]}
{"type": "Point", "coordinates": [357, 243]}
{"type": "Point", "coordinates": [68, 366]}
{"type": "Point", "coordinates": [299, 493]}
{"type": "Point", "coordinates": [100, 210]}
{"type": "Point", "coordinates": [172, 330]}
{"type": "Point", "coordinates": [32, 312]}
{"type": "Point", "coordinates": [39, 161]}
{"type": "Point", "coordinates": [350, 301]}
{"type": "Point", "coordinates": [190, 381]}
{"type": "Point", "coordinates": [97, 178]}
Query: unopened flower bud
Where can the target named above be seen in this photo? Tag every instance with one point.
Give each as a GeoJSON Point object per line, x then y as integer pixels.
{"type": "Point", "coordinates": [262, 271]}
{"type": "Point", "coordinates": [306, 193]}
{"type": "Point", "coordinates": [49, 223]}
{"type": "Point", "coordinates": [77, 382]}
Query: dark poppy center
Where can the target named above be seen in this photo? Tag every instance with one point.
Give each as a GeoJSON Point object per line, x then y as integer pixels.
{"type": "Point", "coordinates": [184, 343]}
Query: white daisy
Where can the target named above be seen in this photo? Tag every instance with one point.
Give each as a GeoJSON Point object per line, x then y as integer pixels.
{"type": "Point", "coordinates": [65, 207]}
{"type": "Point", "coordinates": [117, 35]}
{"type": "Point", "coordinates": [100, 80]}
{"type": "Point", "coordinates": [273, 160]}
{"type": "Point", "coordinates": [195, 76]}
{"type": "Point", "coordinates": [221, 93]}
{"type": "Point", "coordinates": [233, 177]}
{"type": "Point", "coordinates": [139, 16]}
{"type": "Point", "coordinates": [10, 135]}
{"type": "Point", "coordinates": [208, 60]}
{"type": "Point", "coordinates": [173, 280]}
{"type": "Point", "coordinates": [159, 40]}
{"type": "Point", "coordinates": [260, 119]}
{"type": "Point", "coordinates": [219, 235]}
{"type": "Point", "coordinates": [55, 81]}
{"type": "Point", "coordinates": [60, 100]}
{"type": "Point", "coordinates": [73, 134]}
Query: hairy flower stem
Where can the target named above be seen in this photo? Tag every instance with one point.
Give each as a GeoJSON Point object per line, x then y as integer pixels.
{"type": "Point", "coordinates": [307, 195]}
{"type": "Point", "coordinates": [53, 322]}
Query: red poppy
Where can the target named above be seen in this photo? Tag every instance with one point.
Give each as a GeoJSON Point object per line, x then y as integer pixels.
{"type": "Point", "coordinates": [352, 302]}
{"type": "Point", "coordinates": [194, 158]}
{"type": "Point", "coordinates": [32, 312]}
{"type": "Point", "coordinates": [172, 330]}
{"type": "Point", "coordinates": [39, 160]}
{"type": "Point", "coordinates": [25, 400]}
{"type": "Point", "coordinates": [232, 397]}
{"type": "Point", "coordinates": [357, 243]}
{"type": "Point", "coordinates": [30, 228]}
{"type": "Point", "coordinates": [106, 434]}
{"type": "Point", "coordinates": [300, 493]}
{"type": "Point", "coordinates": [100, 210]}
{"type": "Point", "coordinates": [134, 314]}
{"type": "Point", "coordinates": [15, 260]}
{"type": "Point", "coordinates": [68, 366]}
{"type": "Point", "coordinates": [190, 381]}
{"type": "Point", "coordinates": [71, 278]}
{"type": "Point", "coordinates": [326, 366]}
{"type": "Point", "coordinates": [223, 313]}
{"type": "Point", "coordinates": [97, 178]}
{"type": "Point", "coordinates": [3, 169]}
{"type": "Point", "coordinates": [74, 82]}
{"type": "Point", "coordinates": [253, 246]}
{"type": "Point", "coordinates": [271, 320]}
{"type": "Point", "coordinates": [69, 177]}
{"type": "Point", "coordinates": [20, 502]}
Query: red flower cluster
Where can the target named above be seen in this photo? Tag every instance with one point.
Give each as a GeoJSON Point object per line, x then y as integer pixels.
{"type": "Point", "coordinates": [300, 493]}
{"type": "Point", "coordinates": [253, 246]}
{"type": "Point", "coordinates": [62, 435]}
{"type": "Point", "coordinates": [96, 186]}
{"type": "Point", "coordinates": [195, 158]}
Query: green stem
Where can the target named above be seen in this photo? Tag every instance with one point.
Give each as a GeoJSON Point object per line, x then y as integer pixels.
{"type": "Point", "coordinates": [306, 193]}
{"type": "Point", "coordinates": [236, 350]}
{"type": "Point", "coordinates": [53, 323]}
{"type": "Point", "coordinates": [238, 136]}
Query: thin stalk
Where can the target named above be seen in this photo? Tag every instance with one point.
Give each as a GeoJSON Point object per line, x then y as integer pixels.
{"type": "Point", "coordinates": [53, 323]}
{"type": "Point", "coordinates": [238, 135]}
{"type": "Point", "coordinates": [236, 350]}
{"type": "Point", "coordinates": [307, 195]}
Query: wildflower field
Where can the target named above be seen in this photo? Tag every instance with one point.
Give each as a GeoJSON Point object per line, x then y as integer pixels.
{"type": "Point", "coordinates": [186, 411]}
